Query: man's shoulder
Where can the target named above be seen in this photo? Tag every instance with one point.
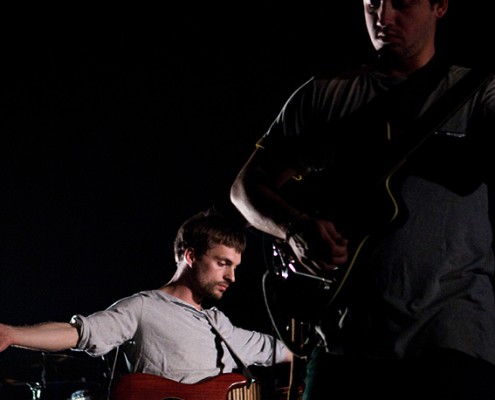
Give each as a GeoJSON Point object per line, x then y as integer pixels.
{"type": "Point", "coordinates": [341, 81]}
{"type": "Point", "coordinates": [143, 296]}
{"type": "Point", "coordinates": [217, 315]}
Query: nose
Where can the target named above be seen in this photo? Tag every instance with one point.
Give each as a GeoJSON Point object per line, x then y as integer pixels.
{"type": "Point", "coordinates": [384, 13]}
{"type": "Point", "coordinates": [229, 275]}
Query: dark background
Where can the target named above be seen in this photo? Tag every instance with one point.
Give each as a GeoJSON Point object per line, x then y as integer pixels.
{"type": "Point", "coordinates": [119, 123]}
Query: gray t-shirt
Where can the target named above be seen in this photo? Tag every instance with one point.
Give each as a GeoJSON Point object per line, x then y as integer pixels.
{"type": "Point", "coordinates": [165, 336]}
{"type": "Point", "coordinates": [427, 281]}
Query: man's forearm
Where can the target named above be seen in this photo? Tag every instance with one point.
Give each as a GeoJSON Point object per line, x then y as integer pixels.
{"type": "Point", "coordinates": [50, 336]}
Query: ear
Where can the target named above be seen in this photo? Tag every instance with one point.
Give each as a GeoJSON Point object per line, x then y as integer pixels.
{"type": "Point", "coordinates": [441, 8]}
{"type": "Point", "coordinates": [189, 256]}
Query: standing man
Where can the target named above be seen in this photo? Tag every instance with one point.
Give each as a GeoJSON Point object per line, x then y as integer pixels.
{"type": "Point", "coordinates": [416, 316]}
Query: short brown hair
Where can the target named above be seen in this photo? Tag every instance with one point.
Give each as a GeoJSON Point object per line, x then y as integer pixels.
{"type": "Point", "coordinates": [206, 229]}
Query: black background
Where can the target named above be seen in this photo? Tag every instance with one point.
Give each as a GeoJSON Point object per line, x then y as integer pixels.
{"type": "Point", "coordinates": [119, 123]}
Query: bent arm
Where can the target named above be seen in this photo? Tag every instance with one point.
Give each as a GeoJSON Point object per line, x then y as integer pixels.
{"type": "Point", "coordinates": [254, 194]}
{"type": "Point", "coordinates": [49, 336]}
{"type": "Point", "coordinates": [316, 242]}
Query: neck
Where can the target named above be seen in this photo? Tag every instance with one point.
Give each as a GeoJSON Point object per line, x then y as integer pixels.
{"type": "Point", "coordinates": [182, 291]}
{"type": "Point", "coordinates": [393, 65]}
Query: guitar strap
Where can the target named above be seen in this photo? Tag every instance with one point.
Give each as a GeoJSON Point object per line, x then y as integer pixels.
{"type": "Point", "coordinates": [402, 103]}
{"type": "Point", "coordinates": [444, 107]}
{"type": "Point", "coordinates": [245, 369]}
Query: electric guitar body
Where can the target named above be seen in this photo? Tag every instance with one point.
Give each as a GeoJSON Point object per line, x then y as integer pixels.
{"type": "Point", "coordinates": [294, 296]}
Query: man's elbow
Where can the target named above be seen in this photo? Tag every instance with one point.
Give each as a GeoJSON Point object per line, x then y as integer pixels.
{"type": "Point", "coordinates": [237, 192]}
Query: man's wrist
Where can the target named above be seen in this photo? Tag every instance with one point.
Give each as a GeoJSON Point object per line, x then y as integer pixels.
{"type": "Point", "coordinates": [294, 225]}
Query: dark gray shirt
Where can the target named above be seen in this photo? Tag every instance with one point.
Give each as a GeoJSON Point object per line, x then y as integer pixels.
{"type": "Point", "coordinates": [428, 279]}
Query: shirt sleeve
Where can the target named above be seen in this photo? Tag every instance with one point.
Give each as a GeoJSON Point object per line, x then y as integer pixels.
{"type": "Point", "coordinates": [292, 134]}
{"type": "Point", "coordinates": [484, 124]}
{"type": "Point", "coordinates": [101, 332]}
{"type": "Point", "coordinates": [254, 348]}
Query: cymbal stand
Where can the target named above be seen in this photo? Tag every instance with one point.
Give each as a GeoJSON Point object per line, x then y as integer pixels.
{"type": "Point", "coordinates": [35, 388]}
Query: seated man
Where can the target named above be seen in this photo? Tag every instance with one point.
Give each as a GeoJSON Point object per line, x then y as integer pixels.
{"type": "Point", "coordinates": [166, 331]}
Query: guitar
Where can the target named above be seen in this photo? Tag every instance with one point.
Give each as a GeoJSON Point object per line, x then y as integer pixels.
{"type": "Point", "coordinates": [295, 295]}
{"type": "Point", "coordinates": [364, 207]}
{"type": "Point", "coordinates": [143, 386]}
{"type": "Point", "coordinates": [296, 299]}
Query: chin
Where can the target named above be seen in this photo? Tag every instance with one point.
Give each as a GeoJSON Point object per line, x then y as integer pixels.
{"type": "Point", "coordinates": [216, 296]}
{"type": "Point", "coordinates": [391, 52]}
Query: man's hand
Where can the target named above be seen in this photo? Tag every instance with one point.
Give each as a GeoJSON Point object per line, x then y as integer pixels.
{"type": "Point", "coordinates": [318, 245]}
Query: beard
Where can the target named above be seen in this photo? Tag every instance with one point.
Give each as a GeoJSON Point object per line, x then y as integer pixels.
{"type": "Point", "coordinates": [209, 290]}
